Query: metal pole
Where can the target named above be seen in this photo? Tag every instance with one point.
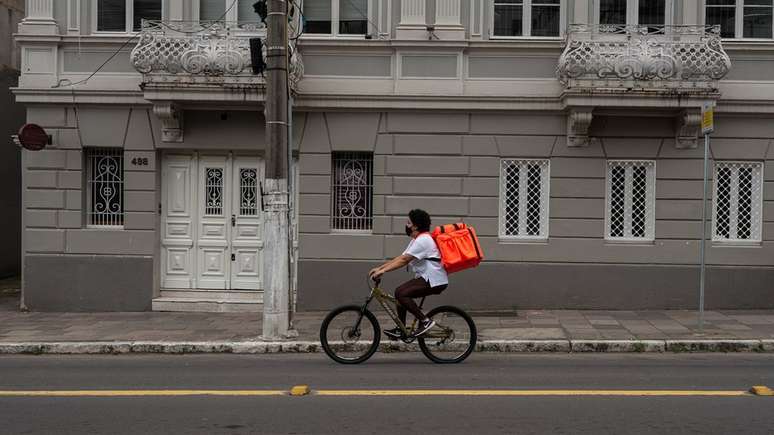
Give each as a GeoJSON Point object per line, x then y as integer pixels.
{"type": "Point", "coordinates": [702, 259]}
{"type": "Point", "coordinates": [275, 228]}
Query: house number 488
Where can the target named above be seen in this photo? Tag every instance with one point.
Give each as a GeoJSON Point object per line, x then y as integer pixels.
{"type": "Point", "coordinates": [140, 161]}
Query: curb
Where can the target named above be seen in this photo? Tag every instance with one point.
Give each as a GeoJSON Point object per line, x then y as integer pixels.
{"type": "Point", "coordinates": [504, 346]}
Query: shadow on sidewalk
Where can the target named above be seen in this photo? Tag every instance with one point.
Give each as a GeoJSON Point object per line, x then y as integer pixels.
{"type": "Point", "coordinates": [10, 293]}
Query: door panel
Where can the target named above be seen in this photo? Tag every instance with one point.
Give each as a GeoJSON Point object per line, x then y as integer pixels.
{"type": "Point", "coordinates": [212, 222]}
{"type": "Point", "coordinates": [178, 214]}
{"type": "Point", "coordinates": [213, 236]}
{"type": "Point", "coordinates": [246, 245]}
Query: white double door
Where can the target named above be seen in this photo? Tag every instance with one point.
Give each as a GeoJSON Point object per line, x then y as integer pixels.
{"type": "Point", "coordinates": [211, 222]}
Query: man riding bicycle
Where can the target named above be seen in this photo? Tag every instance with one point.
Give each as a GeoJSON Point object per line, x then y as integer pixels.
{"type": "Point", "coordinates": [430, 278]}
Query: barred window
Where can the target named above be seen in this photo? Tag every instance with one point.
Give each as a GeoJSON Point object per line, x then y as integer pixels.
{"type": "Point", "coordinates": [630, 200]}
{"type": "Point", "coordinates": [105, 186]}
{"type": "Point", "coordinates": [524, 186]}
{"type": "Point", "coordinates": [736, 212]}
{"type": "Point", "coordinates": [352, 187]}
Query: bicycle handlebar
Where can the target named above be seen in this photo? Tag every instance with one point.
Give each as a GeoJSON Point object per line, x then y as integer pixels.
{"type": "Point", "coordinates": [375, 281]}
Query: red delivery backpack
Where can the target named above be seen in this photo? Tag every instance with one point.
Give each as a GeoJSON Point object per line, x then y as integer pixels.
{"type": "Point", "coordinates": [458, 245]}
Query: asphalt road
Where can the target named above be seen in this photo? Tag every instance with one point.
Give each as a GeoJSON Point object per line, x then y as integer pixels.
{"type": "Point", "coordinates": [561, 413]}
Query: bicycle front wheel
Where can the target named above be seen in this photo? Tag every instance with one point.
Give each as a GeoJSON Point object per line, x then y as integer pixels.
{"type": "Point", "coordinates": [350, 335]}
{"type": "Point", "coordinates": [452, 339]}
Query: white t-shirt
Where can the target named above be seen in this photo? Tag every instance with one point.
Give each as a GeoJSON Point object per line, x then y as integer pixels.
{"type": "Point", "coordinates": [422, 248]}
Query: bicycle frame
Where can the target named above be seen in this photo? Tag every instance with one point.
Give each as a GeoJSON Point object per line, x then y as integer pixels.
{"type": "Point", "coordinates": [388, 302]}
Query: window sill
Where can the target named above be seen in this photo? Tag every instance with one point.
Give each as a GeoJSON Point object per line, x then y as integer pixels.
{"type": "Point", "coordinates": [522, 240]}
{"type": "Point", "coordinates": [116, 34]}
{"type": "Point", "coordinates": [526, 38]}
{"type": "Point", "coordinates": [104, 227]}
{"type": "Point", "coordinates": [630, 242]}
{"type": "Point", "coordinates": [312, 36]}
{"type": "Point", "coordinates": [737, 244]}
{"type": "Point", "coordinates": [352, 232]}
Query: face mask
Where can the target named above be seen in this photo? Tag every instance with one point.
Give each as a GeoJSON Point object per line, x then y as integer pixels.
{"type": "Point", "coordinates": [409, 230]}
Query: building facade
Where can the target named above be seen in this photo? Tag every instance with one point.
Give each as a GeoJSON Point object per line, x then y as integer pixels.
{"type": "Point", "coordinates": [567, 132]}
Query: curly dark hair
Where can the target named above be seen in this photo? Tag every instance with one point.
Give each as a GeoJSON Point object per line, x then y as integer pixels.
{"type": "Point", "coordinates": [421, 219]}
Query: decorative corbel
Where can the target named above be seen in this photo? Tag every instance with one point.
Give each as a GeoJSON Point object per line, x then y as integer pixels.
{"type": "Point", "coordinates": [171, 122]}
{"type": "Point", "coordinates": [578, 122]}
{"type": "Point", "coordinates": [688, 124]}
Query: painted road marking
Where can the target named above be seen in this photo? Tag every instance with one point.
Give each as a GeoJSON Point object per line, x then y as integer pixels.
{"type": "Point", "coordinates": [634, 393]}
{"type": "Point", "coordinates": [137, 393]}
{"type": "Point", "coordinates": [298, 391]}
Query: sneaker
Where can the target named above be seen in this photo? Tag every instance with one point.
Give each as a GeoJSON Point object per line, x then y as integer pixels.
{"type": "Point", "coordinates": [424, 326]}
{"type": "Point", "coordinates": [394, 333]}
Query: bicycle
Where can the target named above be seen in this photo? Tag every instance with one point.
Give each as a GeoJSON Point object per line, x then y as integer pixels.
{"type": "Point", "coordinates": [348, 339]}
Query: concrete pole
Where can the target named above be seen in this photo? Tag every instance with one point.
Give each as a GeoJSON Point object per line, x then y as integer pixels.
{"type": "Point", "coordinates": [276, 283]}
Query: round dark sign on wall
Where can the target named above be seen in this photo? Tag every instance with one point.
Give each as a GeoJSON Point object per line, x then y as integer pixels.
{"type": "Point", "coordinates": [33, 137]}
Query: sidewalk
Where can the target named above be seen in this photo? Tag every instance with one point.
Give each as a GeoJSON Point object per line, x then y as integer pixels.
{"type": "Point", "coordinates": [523, 330]}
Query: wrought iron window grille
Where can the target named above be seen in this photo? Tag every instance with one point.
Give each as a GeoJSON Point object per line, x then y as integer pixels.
{"type": "Point", "coordinates": [105, 187]}
{"type": "Point", "coordinates": [630, 200]}
{"type": "Point", "coordinates": [524, 199]}
{"type": "Point", "coordinates": [737, 202]}
{"type": "Point", "coordinates": [352, 188]}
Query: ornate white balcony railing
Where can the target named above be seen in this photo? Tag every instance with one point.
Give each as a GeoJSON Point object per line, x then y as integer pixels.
{"type": "Point", "coordinates": [643, 57]}
{"type": "Point", "coordinates": [202, 53]}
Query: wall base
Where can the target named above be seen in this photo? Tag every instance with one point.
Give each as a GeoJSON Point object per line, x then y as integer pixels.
{"type": "Point", "coordinates": [88, 283]}
{"type": "Point", "coordinates": [326, 284]}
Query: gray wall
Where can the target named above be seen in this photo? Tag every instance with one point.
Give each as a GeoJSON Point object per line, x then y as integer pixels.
{"type": "Point", "coordinates": [66, 262]}
{"type": "Point", "coordinates": [11, 12]}
{"type": "Point", "coordinates": [448, 164]}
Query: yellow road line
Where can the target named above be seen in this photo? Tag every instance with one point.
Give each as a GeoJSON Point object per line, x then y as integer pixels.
{"type": "Point", "coordinates": [513, 393]}
{"type": "Point", "coordinates": [137, 393]}
{"type": "Point", "coordinates": [635, 393]}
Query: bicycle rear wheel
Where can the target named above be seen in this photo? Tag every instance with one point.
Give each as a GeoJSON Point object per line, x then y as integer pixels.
{"type": "Point", "coordinates": [452, 339]}
{"type": "Point", "coordinates": [349, 335]}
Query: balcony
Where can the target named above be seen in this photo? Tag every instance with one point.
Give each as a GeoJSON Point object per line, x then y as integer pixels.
{"type": "Point", "coordinates": [201, 62]}
{"type": "Point", "coordinates": [642, 57]}
{"type": "Point", "coordinates": [672, 69]}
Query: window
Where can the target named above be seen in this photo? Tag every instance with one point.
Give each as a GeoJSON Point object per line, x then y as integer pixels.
{"type": "Point", "coordinates": [741, 18]}
{"type": "Point", "coordinates": [105, 186]}
{"type": "Point", "coordinates": [352, 187]}
{"type": "Point", "coordinates": [526, 18]}
{"type": "Point", "coordinates": [630, 200]}
{"type": "Point", "coordinates": [335, 17]}
{"type": "Point", "coordinates": [736, 212]}
{"type": "Point", "coordinates": [633, 12]}
{"type": "Point", "coordinates": [524, 197]}
{"type": "Point", "coordinates": [227, 10]}
{"type": "Point", "coordinates": [125, 15]}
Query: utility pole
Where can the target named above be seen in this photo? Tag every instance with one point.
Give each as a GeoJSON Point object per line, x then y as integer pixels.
{"type": "Point", "coordinates": [276, 282]}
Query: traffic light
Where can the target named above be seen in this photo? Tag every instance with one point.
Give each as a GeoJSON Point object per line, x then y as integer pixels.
{"type": "Point", "coordinates": [256, 56]}
{"type": "Point", "coordinates": [260, 8]}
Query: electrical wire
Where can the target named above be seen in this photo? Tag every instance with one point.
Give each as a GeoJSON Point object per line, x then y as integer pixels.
{"type": "Point", "coordinates": [300, 28]}
{"type": "Point", "coordinates": [358, 10]}
{"type": "Point", "coordinates": [67, 82]}
{"type": "Point", "coordinates": [212, 23]}
{"type": "Point", "coordinates": [365, 15]}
